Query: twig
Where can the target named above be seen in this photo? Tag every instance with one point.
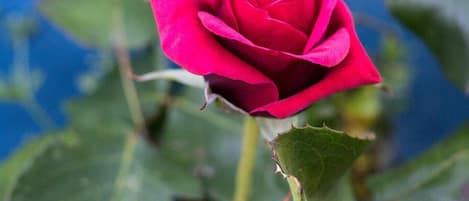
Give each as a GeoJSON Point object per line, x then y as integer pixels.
{"type": "Point", "coordinates": [130, 91]}
{"type": "Point", "coordinates": [125, 69]}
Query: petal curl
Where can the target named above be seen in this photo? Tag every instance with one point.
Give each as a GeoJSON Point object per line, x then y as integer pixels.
{"type": "Point", "coordinates": [356, 70]}
{"type": "Point", "coordinates": [322, 23]}
{"type": "Point", "coordinates": [290, 74]}
{"type": "Point", "coordinates": [303, 18]}
{"type": "Point", "coordinates": [185, 41]}
{"type": "Point", "coordinates": [256, 25]}
{"type": "Point", "coordinates": [329, 52]}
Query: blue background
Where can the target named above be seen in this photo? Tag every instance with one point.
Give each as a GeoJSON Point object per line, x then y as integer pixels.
{"type": "Point", "coordinates": [435, 109]}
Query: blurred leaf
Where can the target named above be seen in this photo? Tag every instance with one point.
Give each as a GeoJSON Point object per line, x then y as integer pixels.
{"type": "Point", "coordinates": [317, 158]}
{"type": "Point", "coordinates": [355, 111]}
{"type": "Point", "coordinates": [440, 174]}
{"type": "Point", "coordinates": [323, 112]}
{"type": "Point", "coordinates": [20, 161]}
{"type": "Point", "coordinates": [95, 159]}
{"type": "Point", "coordinates": [360, 106]}
{"type": "Point", "coordinates": [218, 148]}
{"type": "Point", "coordinates": [393, 64]}
{"type": "Point", "coordinates": [90, 21]}
{"type": "Point", "coordinates": [443, 25]}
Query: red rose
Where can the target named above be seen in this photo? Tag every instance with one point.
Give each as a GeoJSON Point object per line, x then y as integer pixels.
{"type": "Point", "coordinates": [267, 57]}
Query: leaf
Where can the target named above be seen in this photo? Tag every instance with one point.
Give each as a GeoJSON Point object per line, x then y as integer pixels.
{"type": "Point", "coordinates": [443, 25]}
{"type": "Point", "coordinates": [317, 158]}
{"type": "Point", "coordinates": [20, 161]}
{"type": "Point", "coordinates": [99, 157]}
{"type": "Point", "coordinates": [440, 174]}
{"type": "Point", "coordinates": [90, 21]}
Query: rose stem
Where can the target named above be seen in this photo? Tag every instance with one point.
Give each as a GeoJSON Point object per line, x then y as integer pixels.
{"type": "Point", "coordinates": [247, 160]}
{"type": "Point", "coordinates": [295, 189]}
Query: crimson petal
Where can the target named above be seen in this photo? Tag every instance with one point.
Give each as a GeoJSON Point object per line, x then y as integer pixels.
{"type": "Point", "coordinates": [330, 52]}
{"type": "Point", "coordinates": [356, 70]}
{"type": "Point", "coordinates": [322, 23]}
{"type": "Point", "coordinates": [187, 42]}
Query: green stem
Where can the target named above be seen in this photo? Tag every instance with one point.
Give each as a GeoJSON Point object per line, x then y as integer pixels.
{"type": "Point", "coordinates": [294, 189]}
{"type": "Point", "coordinates": [247, 160]}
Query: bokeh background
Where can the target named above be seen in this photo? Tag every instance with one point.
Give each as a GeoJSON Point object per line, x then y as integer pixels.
{"type": "Point", "coordinates": [429, 109]}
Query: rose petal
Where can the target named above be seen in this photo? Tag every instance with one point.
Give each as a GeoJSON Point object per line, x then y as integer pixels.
{"type": "Point", "coordinates": [266, 60]}
{"type": "Point", "coordinates": [322, 23]}
{"type": "Point", "coordinates": [225, 12]}
{"type": "Point", "coordinates": [282, 68]}
{"type": "Point", "coordinates": [328, 54]}
{"type": "Point", "coordinates": [220, 28]}
{"type": "Point", "coordinates": [303, 18]}
{"type": "Point", "coordinates": [188, 43]}
{"type": "Point", "coordinates": [237, 92]}
{"type": "Point", "coordinates": [356, 70]}
{"type": "Point", "coordinates": [256, 25]}
{"type": "Point", "coordinates": [331, 51]}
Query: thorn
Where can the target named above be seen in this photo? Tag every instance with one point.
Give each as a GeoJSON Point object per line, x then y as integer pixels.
{"type": "Point", "coordinates": [387, 90]}
{"type": "Point", "coordinates": [279, 170]}
{"type": "Point", "coordinates": [204, 106]}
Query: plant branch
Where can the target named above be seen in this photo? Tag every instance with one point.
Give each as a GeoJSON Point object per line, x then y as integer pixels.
{"type": "Point", "coordinates": [125, 69]}
{"type": "Point", "coordinates": [131, 95]}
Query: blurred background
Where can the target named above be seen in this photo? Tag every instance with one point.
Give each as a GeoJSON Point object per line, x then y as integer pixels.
{"type": "Point", "coordinates": [41, 66]}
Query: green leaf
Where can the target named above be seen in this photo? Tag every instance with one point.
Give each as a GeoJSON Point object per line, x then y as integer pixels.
{"type": "Point", "coordinates": [317, 158]}
{"type": "Point", "coordinates": [90, 21]}
{"type": "Point", "coordinates": [440, 174]}
{"type": "Point", "coordinates": [219, 148]}
{"type": "Point", "coordinates": [443, 25]}
{"type": "Point", "coordinates": [19, 162]}
{"type": "Point", "coordinates": [99, 157]}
